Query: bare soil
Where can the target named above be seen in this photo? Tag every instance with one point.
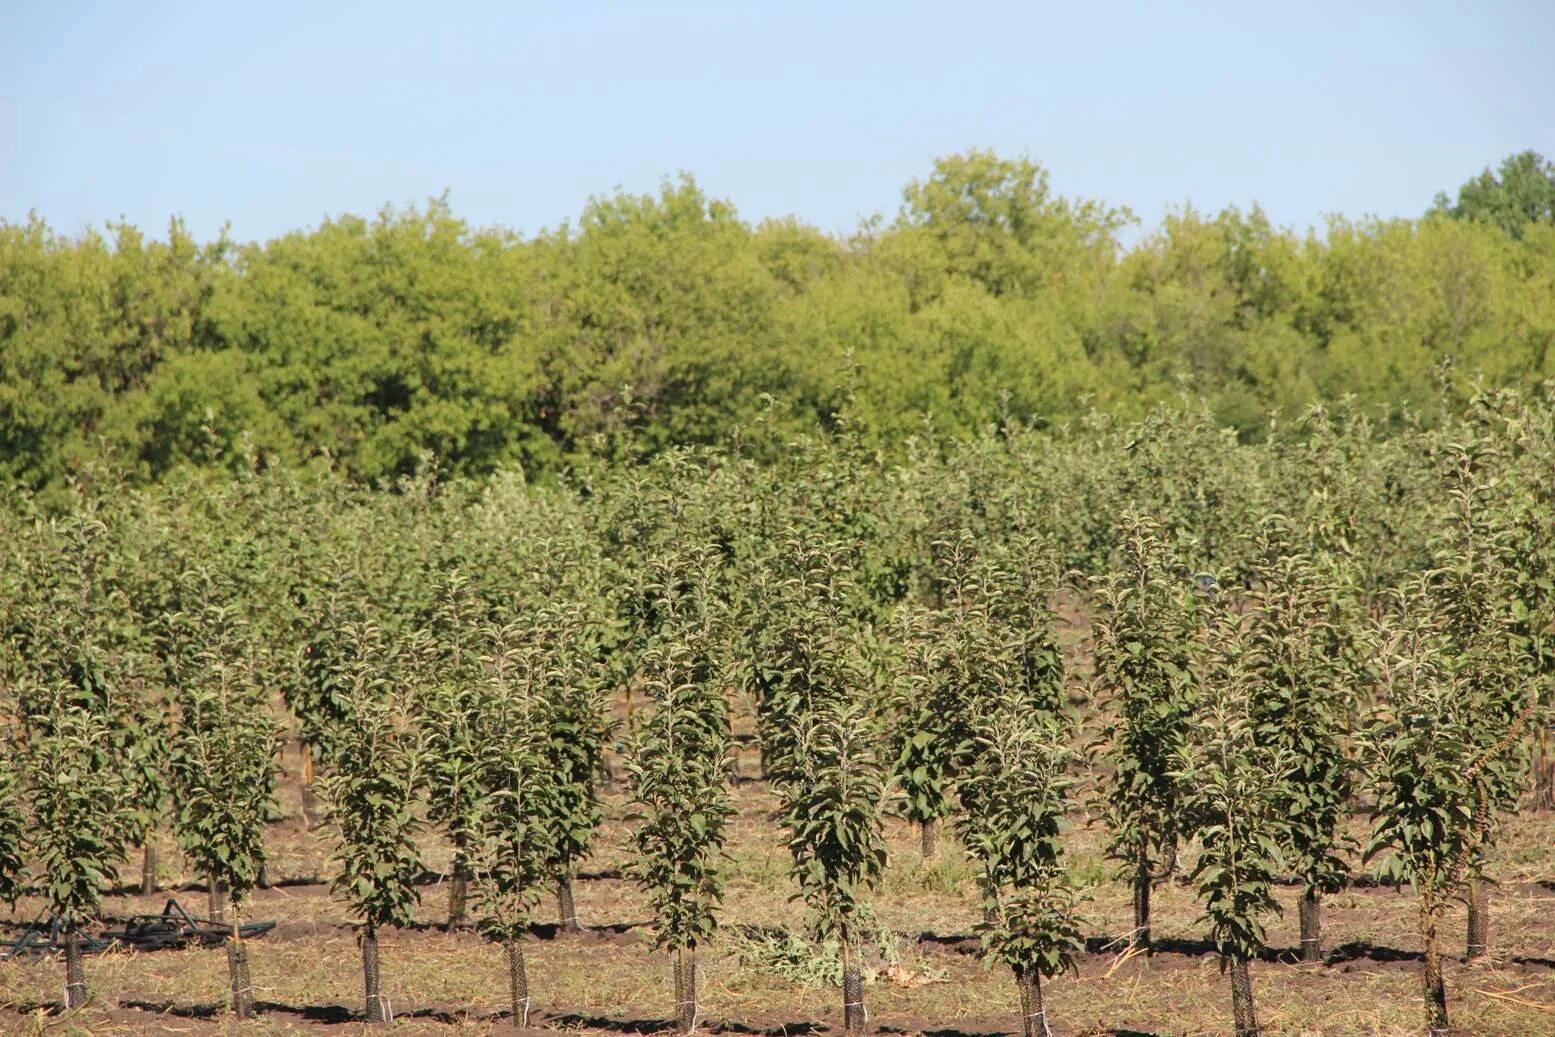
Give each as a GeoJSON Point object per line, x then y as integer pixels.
{"type": "Point", "coordinates": [307, 972]}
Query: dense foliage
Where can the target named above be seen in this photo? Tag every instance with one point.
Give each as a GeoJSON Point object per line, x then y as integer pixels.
{"type": "Point", "coordinates": [666, 319]}
{"type": "Point", "coordinates": [981, 632]}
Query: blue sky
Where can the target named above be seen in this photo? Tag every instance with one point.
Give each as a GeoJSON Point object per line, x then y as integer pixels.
{"type": "Point", "coordinates": [273, 116]}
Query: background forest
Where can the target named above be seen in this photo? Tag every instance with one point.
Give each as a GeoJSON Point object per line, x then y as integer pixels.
{"type": "Point", "coordinates": [666, 319]}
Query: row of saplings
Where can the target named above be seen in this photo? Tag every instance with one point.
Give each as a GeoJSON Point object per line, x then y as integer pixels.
{"type": "Point", "coordinates": [1228, 718]}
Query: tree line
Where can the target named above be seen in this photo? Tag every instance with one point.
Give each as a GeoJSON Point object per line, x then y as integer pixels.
{"type": "Point", "coordinates": [664, 320]}
{"type": "Point", "coordinates": [1279, 630]}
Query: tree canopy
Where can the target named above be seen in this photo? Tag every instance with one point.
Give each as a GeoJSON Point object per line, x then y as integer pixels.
{"type": "Point", "coordinates": [666, 319]}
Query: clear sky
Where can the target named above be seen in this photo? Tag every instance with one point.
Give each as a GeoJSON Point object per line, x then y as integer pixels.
{"type": "Point", "coordinates": [274, 115]}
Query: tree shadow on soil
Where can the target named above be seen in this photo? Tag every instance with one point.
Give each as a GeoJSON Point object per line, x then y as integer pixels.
{"type": "Point", "coordinates": [647, 1026]}
{"type": "Point", "coordinates": [329, 1015]}
{"type": "Point", "coordinates": [1002, 1032]}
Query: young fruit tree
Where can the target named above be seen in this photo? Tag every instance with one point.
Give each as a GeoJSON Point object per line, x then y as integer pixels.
{"type": "Point", "coordinates": [1235, 802]}
{"type": "Point", "coordinates": [76, 798]}
{"type": "Point", "coordinates": [1472, 593]}
{"type": "Point", "coordinates": [1143, 632]}
{"type": "Point", "coordinates": [1298, 657]}
{"type": "Point", "coordinates": [823, 751]}
{"type": "Point", "coordinates": [318, 693]}
{"type": "Point", "coordinates": [678, 769]}
{"type": "Point", "coordinates": [577, 714]}
{"type": "Point", "coordinates": [1017, 779]}
{"type": "Point", "coordinates": [999, 679]}
{"type": "Point", "coordinates": [830, 804]}
{"type": "Point", "coordinates": [514, 841]}
{"type": "Point", "coordinates": [372, 792]}
{"type": "Point", "coordinates": [224, 768]}
{"type": "Point", "coordinates": [452, 722]}
{"type": "Point", "coordinates": [1431, 769]}
{"type": "Point", "coordinates": [920, 771]}
{"type": "Point", "coordinates": [13, 825]}
{"type": "Point", "coordinates": [76, 631]}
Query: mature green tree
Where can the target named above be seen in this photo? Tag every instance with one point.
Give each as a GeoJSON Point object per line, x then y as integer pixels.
{"type": "Point", "coordinates": [1521, 191]}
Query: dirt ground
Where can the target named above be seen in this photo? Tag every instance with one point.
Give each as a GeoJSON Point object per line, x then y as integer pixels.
{"type": "Point", "coordinates": [307, 972]}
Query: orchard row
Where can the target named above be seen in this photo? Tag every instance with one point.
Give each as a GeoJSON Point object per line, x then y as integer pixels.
{"type": "Point", "coordinates": [1276, 631]}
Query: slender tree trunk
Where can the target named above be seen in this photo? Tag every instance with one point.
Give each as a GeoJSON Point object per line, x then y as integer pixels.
{"type": "Point", "coordinates": [518, 982]}
{"type": "Point", "coordinates": [218, 900]}
{"type": "Point", "coordinates": [685, 990]}
{"type": "Point", "coordinates": [1479, 917]}
{"type": "Point", "coordinates": [1543, 772]}
{"type": "Point", "coordinates": [1311, 926]}
{"type": "Point", "coordinates": [928, 838]}
{"type": "Point", "coordinates": [1435, 987]}
{"type": "Point", "coordinates": [148, 866]}
{"type": "Point", "coordinates": [237, 969]}
{"type": "Point", "coordinates": [1141, 936]}
{"type": "Point", "coordinates": [75, 972]}
{"type": "Point", "coordinates": [458, 893]}
{"type": "Point", "coordinates": [734, 755]}
{"type": "Point", "coordinates": [566, 908]}
{"type": "Point", "coordinates": [853, 1013]}
{"type": "Point", "coordinates": [310, 811]}
{"type": "Point", "coordinates": [1033, 1016]}
{"type": "Point", "coordinates": [1245, 1021]}
{"type": "Point", "coordinates": [377, 1004]}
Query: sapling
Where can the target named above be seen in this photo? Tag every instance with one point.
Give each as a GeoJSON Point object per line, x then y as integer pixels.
{"type": "Point", "coordinates": [1297, 654]}
{"type": "Point", "coordinates": [13, 827]}
{"type": "Point", "coordinates": [372, 791]}
{"type": "Point", "coordinates": [79, 640]}
{"type": "Point", "coordinates": [678, 769]}
{"type": "Point", "coordinates": [1434, 802]}
{"type": "Point", "coordinates": [319, 694]}
{"type": "Point", "coordinates": [830, 804]}
{"type": "Point", "coordinates": [920, 738]}
{"type": "Point", "coordinates": [515, 840]}
{"type": "Point", "coordinates": [1470, 592]}
{"type": "Point", "coordinates": [920, 771]}
{"type": "Point", "coordinates": [822, 752]}
{"type": "Point", "coordinates": [224, 768]}
{"type": "Point", "coordinates": [452, 723]}
{"type": "Point", "coordinates": [1017, 779]}
{"type": "Point", "coordinates": [1236, 798]}
{"type": "Point", "coordinates": [999, 683]}
{"type": "Point", "coordinates": [578, 730]}
{"type": "Point", "coordinates": [76, 838]}
{"type": "Point", "coordinates": [1143, 677]}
